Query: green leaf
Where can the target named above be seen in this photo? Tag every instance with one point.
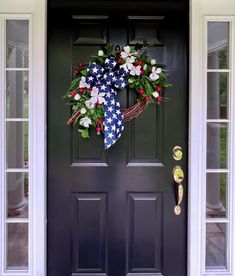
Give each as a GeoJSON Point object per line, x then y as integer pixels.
{"type": "Point", "coordinates": [84, 133]}
{"type": "Point", "coordinates": [131, 80]}
{"type": "Point", "coordinates": [84, 73]}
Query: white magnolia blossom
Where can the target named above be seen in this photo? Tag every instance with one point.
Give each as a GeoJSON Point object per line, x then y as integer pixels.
{"type": "Point", "coordinates": [77, 97]}
{"type": "Point", "coordinates": [85, 122]}
{"type": "Point", "coordinates": [83, 84]}
{"type": "Point", "coordinates": [135, 70]}
{"type": "Point", "coordinates": [83, 110]}
{"type": "Point", "coordinates": [155, 73]}
{"type": "Point", "coordinates": [126, 53]}
{"type": "Point", "coordinates": [153, 61]}
{"type": "Point", "coordinates": [96, 96]}
{"type": "Point", "coordinates": [100, 53]}
{"type": "Point", "coordinates": [89, 104]}
{"type": "Point", "coordinates": [155, 94]}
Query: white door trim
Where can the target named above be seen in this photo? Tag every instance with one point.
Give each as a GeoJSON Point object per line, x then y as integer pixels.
{"type": "Point", "coordinates": [200, 12]}
{"type": "Point", "coordinates": [195, 141]}
{"type": "Point", "coordinates": [198, 8]}
{"type": "Point", "coordinates": [40, 135]}
{"type": "Point", "coordinates": [36, 12]}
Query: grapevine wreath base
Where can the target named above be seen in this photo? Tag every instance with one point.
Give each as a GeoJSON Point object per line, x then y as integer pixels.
{"type": "Point", "coordinates": [95, 86]}
{"type": "Point", "coordinates": [134, 111]}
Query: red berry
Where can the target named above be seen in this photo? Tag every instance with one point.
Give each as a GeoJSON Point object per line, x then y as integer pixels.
{"type": "Point", "coordinates": [100, 122]}
{"type": "Point", "coordinates": [81, 64]}
{"type": "Point", "coordinates": [90, 89]}
{"type": "Point", "coordinates": [139, 62]}
{"type": "Point", "coordinates": [98, 129]}
{"type": "Point", "coordinates": [141, 72]}
{"type": "Point", "coordinates": [120, 60]}
{"type": "Point", "coordinates": [73, 94]}
{"type": "Point", "coordinates": [147, 98]}
{"type": "Point", "coordinates": [76, 71]}
{"type": "Point", "coordinates": [141, 91]}
{"type": "Point", "coordinates": [97, 103]}
{"type": "Point", "coordinates": [71, 120]}
{"type": "Point", "coordinates": [81, 90]}
{"type": "Point", "coordinates": [159, 99]}
{"type": "Point", "coordinates": [159, 88]}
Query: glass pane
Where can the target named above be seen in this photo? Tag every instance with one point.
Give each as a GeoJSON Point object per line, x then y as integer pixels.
{"type": "Point", "coordinates": [17, 85]}
{"type": "Point", "coordinates": [17, 43]}
{"type": "Point", "coordinates": [17, 194]}
{"type": "Point", "coordinates": [218, 45]}
{"type": "Point", "coordinates": [216, 245]}
{"type": "Point", "coordinates": [217, 91]}
{"type": "Point", "coordinates": [216, 145]}
{"type": "Point", "coordinates": [216, 189]}
{"type": "Point", "coordinates": [17, 144]}
{"type": "Point", "coordinates": [17, 246]}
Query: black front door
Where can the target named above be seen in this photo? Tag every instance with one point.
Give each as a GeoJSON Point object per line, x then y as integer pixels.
{"type": "Point", "coordinates": [112, 213]}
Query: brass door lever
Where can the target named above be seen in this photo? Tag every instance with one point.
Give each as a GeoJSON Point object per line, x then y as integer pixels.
{"type": "Point", "coordinates": [178, 176]}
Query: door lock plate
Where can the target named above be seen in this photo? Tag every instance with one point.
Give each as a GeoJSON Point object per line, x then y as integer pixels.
{"type": "Point", "coordinates": [178, 174]}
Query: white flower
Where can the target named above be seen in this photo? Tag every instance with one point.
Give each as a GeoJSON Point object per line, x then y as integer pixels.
{"type": "Point", "coordinates": [126, 53]}
{"type": "Point", "coordinates": [85, 122]}
{"type": "Point", "coordinates": [153, 61]}
{"type": "Point", "coordinates": [128, 65]}
{"type": "Point", "coordinates": [145, 66]}
{"type": "Point", "coordinates": [83, 84]}
{"type": "Point", "coordinates": [96, 96]}
{"type": "Point", "coordinates": [77, 97]}
{"type": "Point", "coordinates": [155, 94]}
{"type": "Point", "coordinates": [154, 75]}
{"type": "Point", "coordinates": [100, 53]}
{"type": "Point", "coordinates": [135, 70]}
{"type": "Point", "coordinates": [83, 110]}
{"type": "Point", "coordinates": [89, 104]}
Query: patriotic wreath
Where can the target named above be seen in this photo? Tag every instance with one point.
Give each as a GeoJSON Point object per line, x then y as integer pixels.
{"type": "Point", "coordinates": [95, 85]}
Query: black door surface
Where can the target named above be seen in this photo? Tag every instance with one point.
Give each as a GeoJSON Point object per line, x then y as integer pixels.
{"type": "Point", "coordinates": [112, 213]}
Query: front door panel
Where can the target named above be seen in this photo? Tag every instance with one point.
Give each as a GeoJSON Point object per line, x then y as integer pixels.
{"type": "Point", "coordinates": [112, 212]}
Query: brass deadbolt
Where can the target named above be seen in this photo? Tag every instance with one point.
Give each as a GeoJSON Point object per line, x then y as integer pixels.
{"type": "Point", "coordinates": [177, 153]}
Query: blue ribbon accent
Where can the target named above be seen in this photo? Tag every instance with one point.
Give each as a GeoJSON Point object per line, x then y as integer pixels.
{"type": "Point", "coordinates": [108, 79]}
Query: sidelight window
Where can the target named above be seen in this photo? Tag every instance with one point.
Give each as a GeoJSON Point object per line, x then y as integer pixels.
{"type": "Point", "coordinates": [15, 159]}
{"type": "Point", "coordinates": [218, 130]}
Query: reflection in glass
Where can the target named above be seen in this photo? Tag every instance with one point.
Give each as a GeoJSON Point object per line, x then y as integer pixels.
{"type": "Point", "coordinates": [17, 194]}
{"type": "Point", "coordinates": [17, 246]}
{"type": "Point", "coordinates": [216, 236]}
{"type": "Point", "coordinates": [17, 144]}
{"type": "Point", "coordinates": [17, 42]}
{"type": "Point", "coordinates": [216, 145]}
{"type": "Point", "coordinates": [217, 91]}
{"type": "Point", "coordinates": [17, 85]}
{"type": "Point", "coordinates": [216, 189]}
{"type": "Point", "coordinates": [218, 50]}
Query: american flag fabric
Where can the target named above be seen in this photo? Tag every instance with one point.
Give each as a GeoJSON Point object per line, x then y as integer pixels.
{"type": "Point", "coordinates": [108, 79]}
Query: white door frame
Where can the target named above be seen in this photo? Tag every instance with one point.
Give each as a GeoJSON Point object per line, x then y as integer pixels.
{"type": "Point", "coordinates": [38, 10]}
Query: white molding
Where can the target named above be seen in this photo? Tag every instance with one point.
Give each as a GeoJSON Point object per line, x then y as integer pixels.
{"type": "Point", "coordinates": [40, 128]}
{"type": "Point", "coordinates": [195, 141]}
{"type": "Point", "coordinates": [1, 145]}
{"type": "Point", "coordinates": [37, 133]}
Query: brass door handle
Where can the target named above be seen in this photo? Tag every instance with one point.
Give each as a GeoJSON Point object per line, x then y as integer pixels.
{"type": "Point", "coordinates": [178, 175]}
